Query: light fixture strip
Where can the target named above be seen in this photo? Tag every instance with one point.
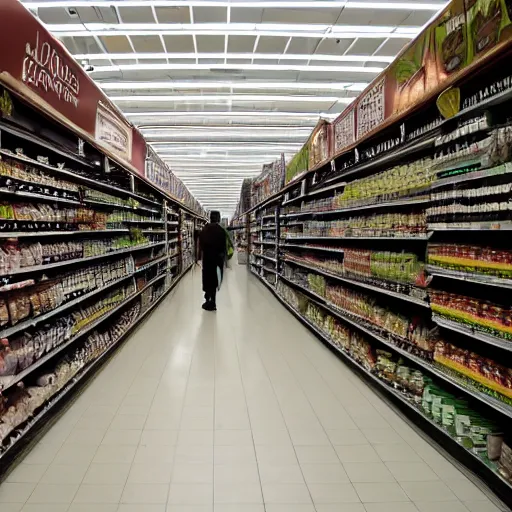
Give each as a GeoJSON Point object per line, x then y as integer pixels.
{"type": "Point", "coordinates": [231, 97]}
{"type": "Point", "coordinates": [245, 67]}
{"type": "Point", "coordinates": [262, 4]}
{"type": "Point", "coordinates": [314, 86]}
{"type": "Point", "coordinates": [247, 56]}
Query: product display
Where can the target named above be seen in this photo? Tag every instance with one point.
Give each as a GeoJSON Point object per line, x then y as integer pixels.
{"type": "Point", "coordinates": [398, 255]}
{"type": "Point", "coordinates": [84, 256]}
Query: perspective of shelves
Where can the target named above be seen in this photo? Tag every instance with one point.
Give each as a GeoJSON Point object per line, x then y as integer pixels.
{"type": "Point", "coordinates": [398, 392]}
{"type": "Point", "coordinates": [395, 253]}
{"type": "Point", "coordinates": [86, 252]}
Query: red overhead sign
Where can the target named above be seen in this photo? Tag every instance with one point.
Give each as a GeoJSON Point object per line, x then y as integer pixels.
{"type": "Point", "coordinates": [34, 58]}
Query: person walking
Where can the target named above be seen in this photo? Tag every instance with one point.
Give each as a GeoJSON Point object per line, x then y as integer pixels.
{"type": "Point", "coordinates": [211, 249]}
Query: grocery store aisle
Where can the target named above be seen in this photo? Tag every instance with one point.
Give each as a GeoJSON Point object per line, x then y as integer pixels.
{"type": "Point", "coordinates": [242, 410]}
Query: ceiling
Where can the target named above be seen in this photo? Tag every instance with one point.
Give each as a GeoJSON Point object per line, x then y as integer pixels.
{"type": "Point", "coordinates": [221, 87]}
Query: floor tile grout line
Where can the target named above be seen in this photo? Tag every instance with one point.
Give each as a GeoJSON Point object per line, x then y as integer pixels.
{"type": "Point", "coordinates": [320, 423]}
{"type": "Point", "coordinates": [181, 420]}
{"type": "Point", "coordinates": [250, 423]}
{"type": "Point", "coordinates": [285, 423]}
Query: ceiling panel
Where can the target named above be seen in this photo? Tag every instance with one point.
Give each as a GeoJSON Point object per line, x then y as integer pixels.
{"type": "Point", "coordinates": [210, 44]}
{"type": "Point", "coordinates": [392, 46]}
{"type": "Point", "coordinates": [269, 44]}
{"type": "Point", "coordinates": [246, 15]}
{"type": "Point", "coordinates": [179, 44]}
{"type": "Point", "coordinates": [210, 14]}
{"type": "Point", "coordinates": [173, 14]}
{"type": "Point", "coordinates": [241, 44]}
{"type": "Point", "coordinates": [116, 44]}
{"type": "Point", "coordinates": [136, 15]}
{"type": "Point", "coordinates": [147, 44]}
{"type": "Point", "coordinates": [365, 47]}
{"type": "Point", "coordinates": [334, 46]}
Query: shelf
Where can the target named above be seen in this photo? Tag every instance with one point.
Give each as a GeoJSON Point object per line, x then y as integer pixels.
{"type": "Point", "coordinates": [274, 260]}
{"type": "Point", "coordinates": [150, 264]}
{"type": "Point", "coordinates": [159, 222]}
{"type": "Point", "coordinates": [113, 206]}
{"type": "Point", "coordinates": [40, 197]}
{"type": "Point", "coordinates": [268, 228]}
{"type": "Point", "coordinates": [20, 376]}
{"type": "Point", "coordinates": [267, 269]}
{"type": "Point", "coordinates": [74, 176]}
{"type": "Point", "coordinates": [482, 397]}
{"type": "Point", "coordinates": [389, 204]}
{"type": "Point", "coordinates": [489, 339]}
{"type": "Point", "coordinates": [313, 248]}
{"type": "Point", "coordinates": [407, 149]}
{"type": "Point", "coordinates": [472, 176]}
{"type": "Point", "coordinates": [471, 226]}
{"type": "Point", "coordinates": [361, 284]}
{"type": "Point", "coordinates": [43, 268]}
{"type": "Point", "coordinates": [32, 322]}
{"type": "Point", "coordinates": [43, 234]}
{"type": "Point", "coordinates": [332, 238]}
{"type": "Point", "coordinates": [471, 278]}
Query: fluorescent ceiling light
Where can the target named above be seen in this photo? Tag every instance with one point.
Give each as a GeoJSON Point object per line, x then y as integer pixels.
{"type": "Point", "coordinates": [262, 4]}
{"type": "Point", "coordinates": [238, 98]}
{"type": "Point", "coordinates": [209, 129]}
{"type": "Point", "coordinates": [206, 114]}
{"type": "Point", "coordinates": [261, 29]}
{"type": "Point", "coordinates": [245, 67]}
{"type": "Point", "coordinates": [313, 86]}
{"type": "Point", "coordinates": [248, 56]}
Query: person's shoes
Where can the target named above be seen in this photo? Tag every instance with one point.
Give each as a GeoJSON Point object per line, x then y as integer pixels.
{"type": "Point", "coordinates": [209, 306]}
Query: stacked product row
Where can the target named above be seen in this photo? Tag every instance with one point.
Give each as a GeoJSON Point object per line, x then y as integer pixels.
{"type": "Point", "coordinates": [264, 246]}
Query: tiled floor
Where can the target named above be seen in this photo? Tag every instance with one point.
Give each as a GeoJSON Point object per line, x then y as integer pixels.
{"type": "Point", "coordinates": [242, 410]}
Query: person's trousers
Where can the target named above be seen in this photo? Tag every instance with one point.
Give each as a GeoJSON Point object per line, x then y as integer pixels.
{"type": "Point", "coordinates": [210, 295]}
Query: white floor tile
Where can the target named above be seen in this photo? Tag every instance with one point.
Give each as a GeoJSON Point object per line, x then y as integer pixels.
{"type": "Point", "coordinates": [411, 471]}
{"type": "Point", "coordinates": [27, 473]}
{"type": "Point", "coordinates": [361, 472]}
{"type": "Point", "coordinates": [390, 507]}
{"type": "Point", "coordinates": [446, 506]}
{"type": "Point", "coordinates": [428, 491]}
{"type": "Point", "coordinates": [233, 438]}
{"type": "Point", "coordinates": [324, 473]}
{"type": "Point", "coordinates": [234, 474]}
{"type": "Point", "coordinates": [239, 493]}
{"type": "Point", "coordinates": [150, 474]}
{"type": "Point", "coordinates": [380, 492]}
{"type": "Point", "coordinates": [191, 494]}
{"type": "Point", "coordinates": [53, 493]}
{"type": "Point", "coordinates": [102, 494]}
{"type": "Point", "coordinates": [64, 474]}
{"type": "Point", "coordinates": [286, 493]}
{"type": "Point", "coordinates": [145, 493]}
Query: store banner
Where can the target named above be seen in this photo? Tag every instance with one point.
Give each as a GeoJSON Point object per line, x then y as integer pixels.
{"type": "Point", "coordinates": [489, 26]}
{"type": "Point", "coordinates": [465, 31]}
{"type": "Point", "coordinates": [371, 107]}
{"type": "Point", "coordinates": [34, 58]}
{"type": "Point", "coordinates": [345, 129]}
